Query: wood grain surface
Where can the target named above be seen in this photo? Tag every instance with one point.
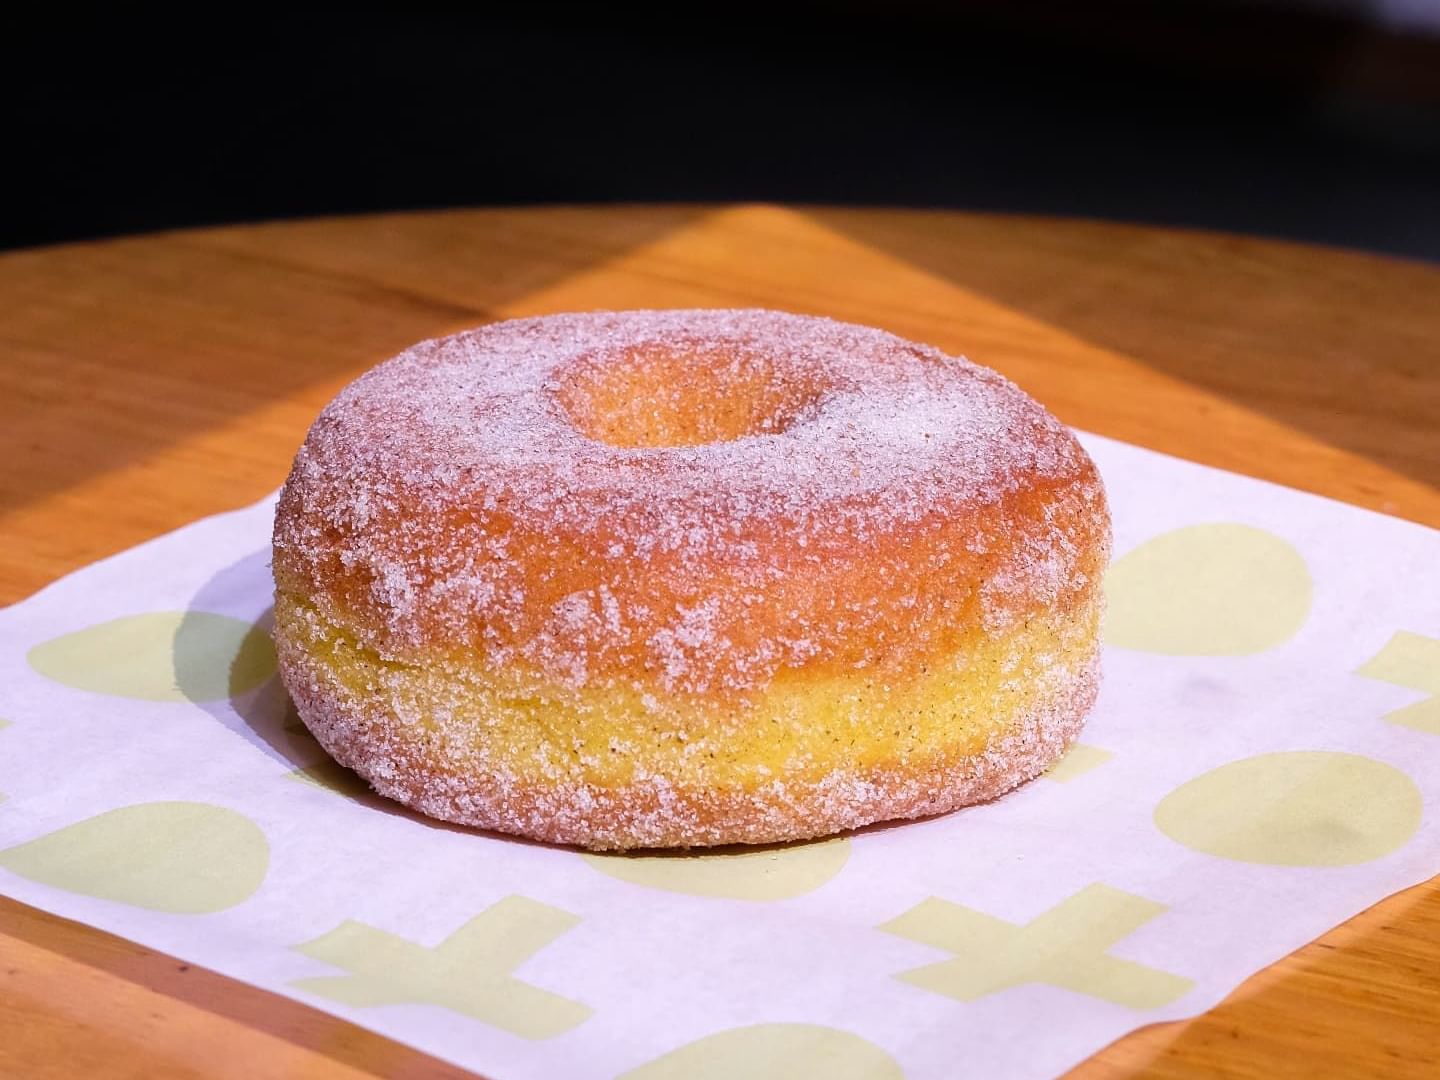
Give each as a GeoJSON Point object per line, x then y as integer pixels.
{"type": "Point", "coordinates": [150, 381]}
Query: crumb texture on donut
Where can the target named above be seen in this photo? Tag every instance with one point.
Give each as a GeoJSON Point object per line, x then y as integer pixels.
{"type": "Point", "coordinates": [609, 768]}
{"type": "Point", "coordinates": [667, 578]}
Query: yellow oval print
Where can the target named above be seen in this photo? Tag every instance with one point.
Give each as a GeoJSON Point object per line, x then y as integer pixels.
{"type": "Point", "coordinates": [773, 1052]}
{"type": "Point", "coordinates": [182, 857]}
{"type": "Point", "coordinates": [160, 656]}
{"type": "Point", "coordinates": [1207, 590]}
{"type": "Point", "coordinates": [1298, 808]}
{"type": "Point", "coordinates": [772, 873]}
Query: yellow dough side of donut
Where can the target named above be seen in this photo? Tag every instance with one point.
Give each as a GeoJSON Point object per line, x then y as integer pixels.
{"type": "Point", "coordinates": [406, 725]}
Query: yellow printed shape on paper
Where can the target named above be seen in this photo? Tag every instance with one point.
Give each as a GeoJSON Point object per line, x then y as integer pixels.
{"type": "Point", "coordinates": [773, 1052]}
{"type": "Point", "coordinates": [1219, 589]}
{"type": "Point", "coordinates": [1066, 946]}
{"type": "Point", "coordinates": [1295, 808]}
{"type": "Point", "coordinates": [181, 857]}
{"type": "Point", "coordinates": [1412, 661]}
{"type": "Point", "coordinates": [468, 973]}
{"type": "Point", "coordinates": [770, 873]}
{"type": "Point", "coordinates": [1076, 762]}
{"type": "Point", "coordinates": [160, 656]}
{"type": "Point", "coordinates": [330, 775]}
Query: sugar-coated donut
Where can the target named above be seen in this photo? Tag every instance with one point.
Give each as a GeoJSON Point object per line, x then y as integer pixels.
{"type": "Point", "coordinates": [671, 578]}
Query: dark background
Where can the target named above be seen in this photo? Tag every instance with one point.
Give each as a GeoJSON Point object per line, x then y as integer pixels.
{"type": "Point", "coordinates": [1316, 121]}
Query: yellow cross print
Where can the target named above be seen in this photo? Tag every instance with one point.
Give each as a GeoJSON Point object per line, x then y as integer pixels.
{"type": "Point", "coordinates": [469, 972]}
{"type": "Point", "coordinates": [1412, 661]}
{"type": "Point", "coordinates": [1065, 947]}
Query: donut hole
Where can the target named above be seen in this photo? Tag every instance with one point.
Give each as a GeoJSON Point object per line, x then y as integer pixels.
{"type": "Point", "coordinates": [654, 397]}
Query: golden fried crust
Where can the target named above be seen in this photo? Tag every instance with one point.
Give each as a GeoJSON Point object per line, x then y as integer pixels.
{"type": "Point", "coordinates": [795, 761]}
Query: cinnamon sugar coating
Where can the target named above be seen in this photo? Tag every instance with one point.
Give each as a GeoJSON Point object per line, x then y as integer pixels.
{"type": "Point", "coordinates": [687, 506]}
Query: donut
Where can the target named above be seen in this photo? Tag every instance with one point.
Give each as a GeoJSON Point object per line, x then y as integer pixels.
{"type": "Point", "coordinates": [688, 578]}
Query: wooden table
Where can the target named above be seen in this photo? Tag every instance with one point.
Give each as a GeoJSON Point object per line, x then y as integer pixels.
{"type": "Point", "coordinates": [147, 382]}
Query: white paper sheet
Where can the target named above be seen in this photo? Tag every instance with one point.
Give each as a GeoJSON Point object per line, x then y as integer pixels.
{"type": "Point", "coordinates": [1008, 940]}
